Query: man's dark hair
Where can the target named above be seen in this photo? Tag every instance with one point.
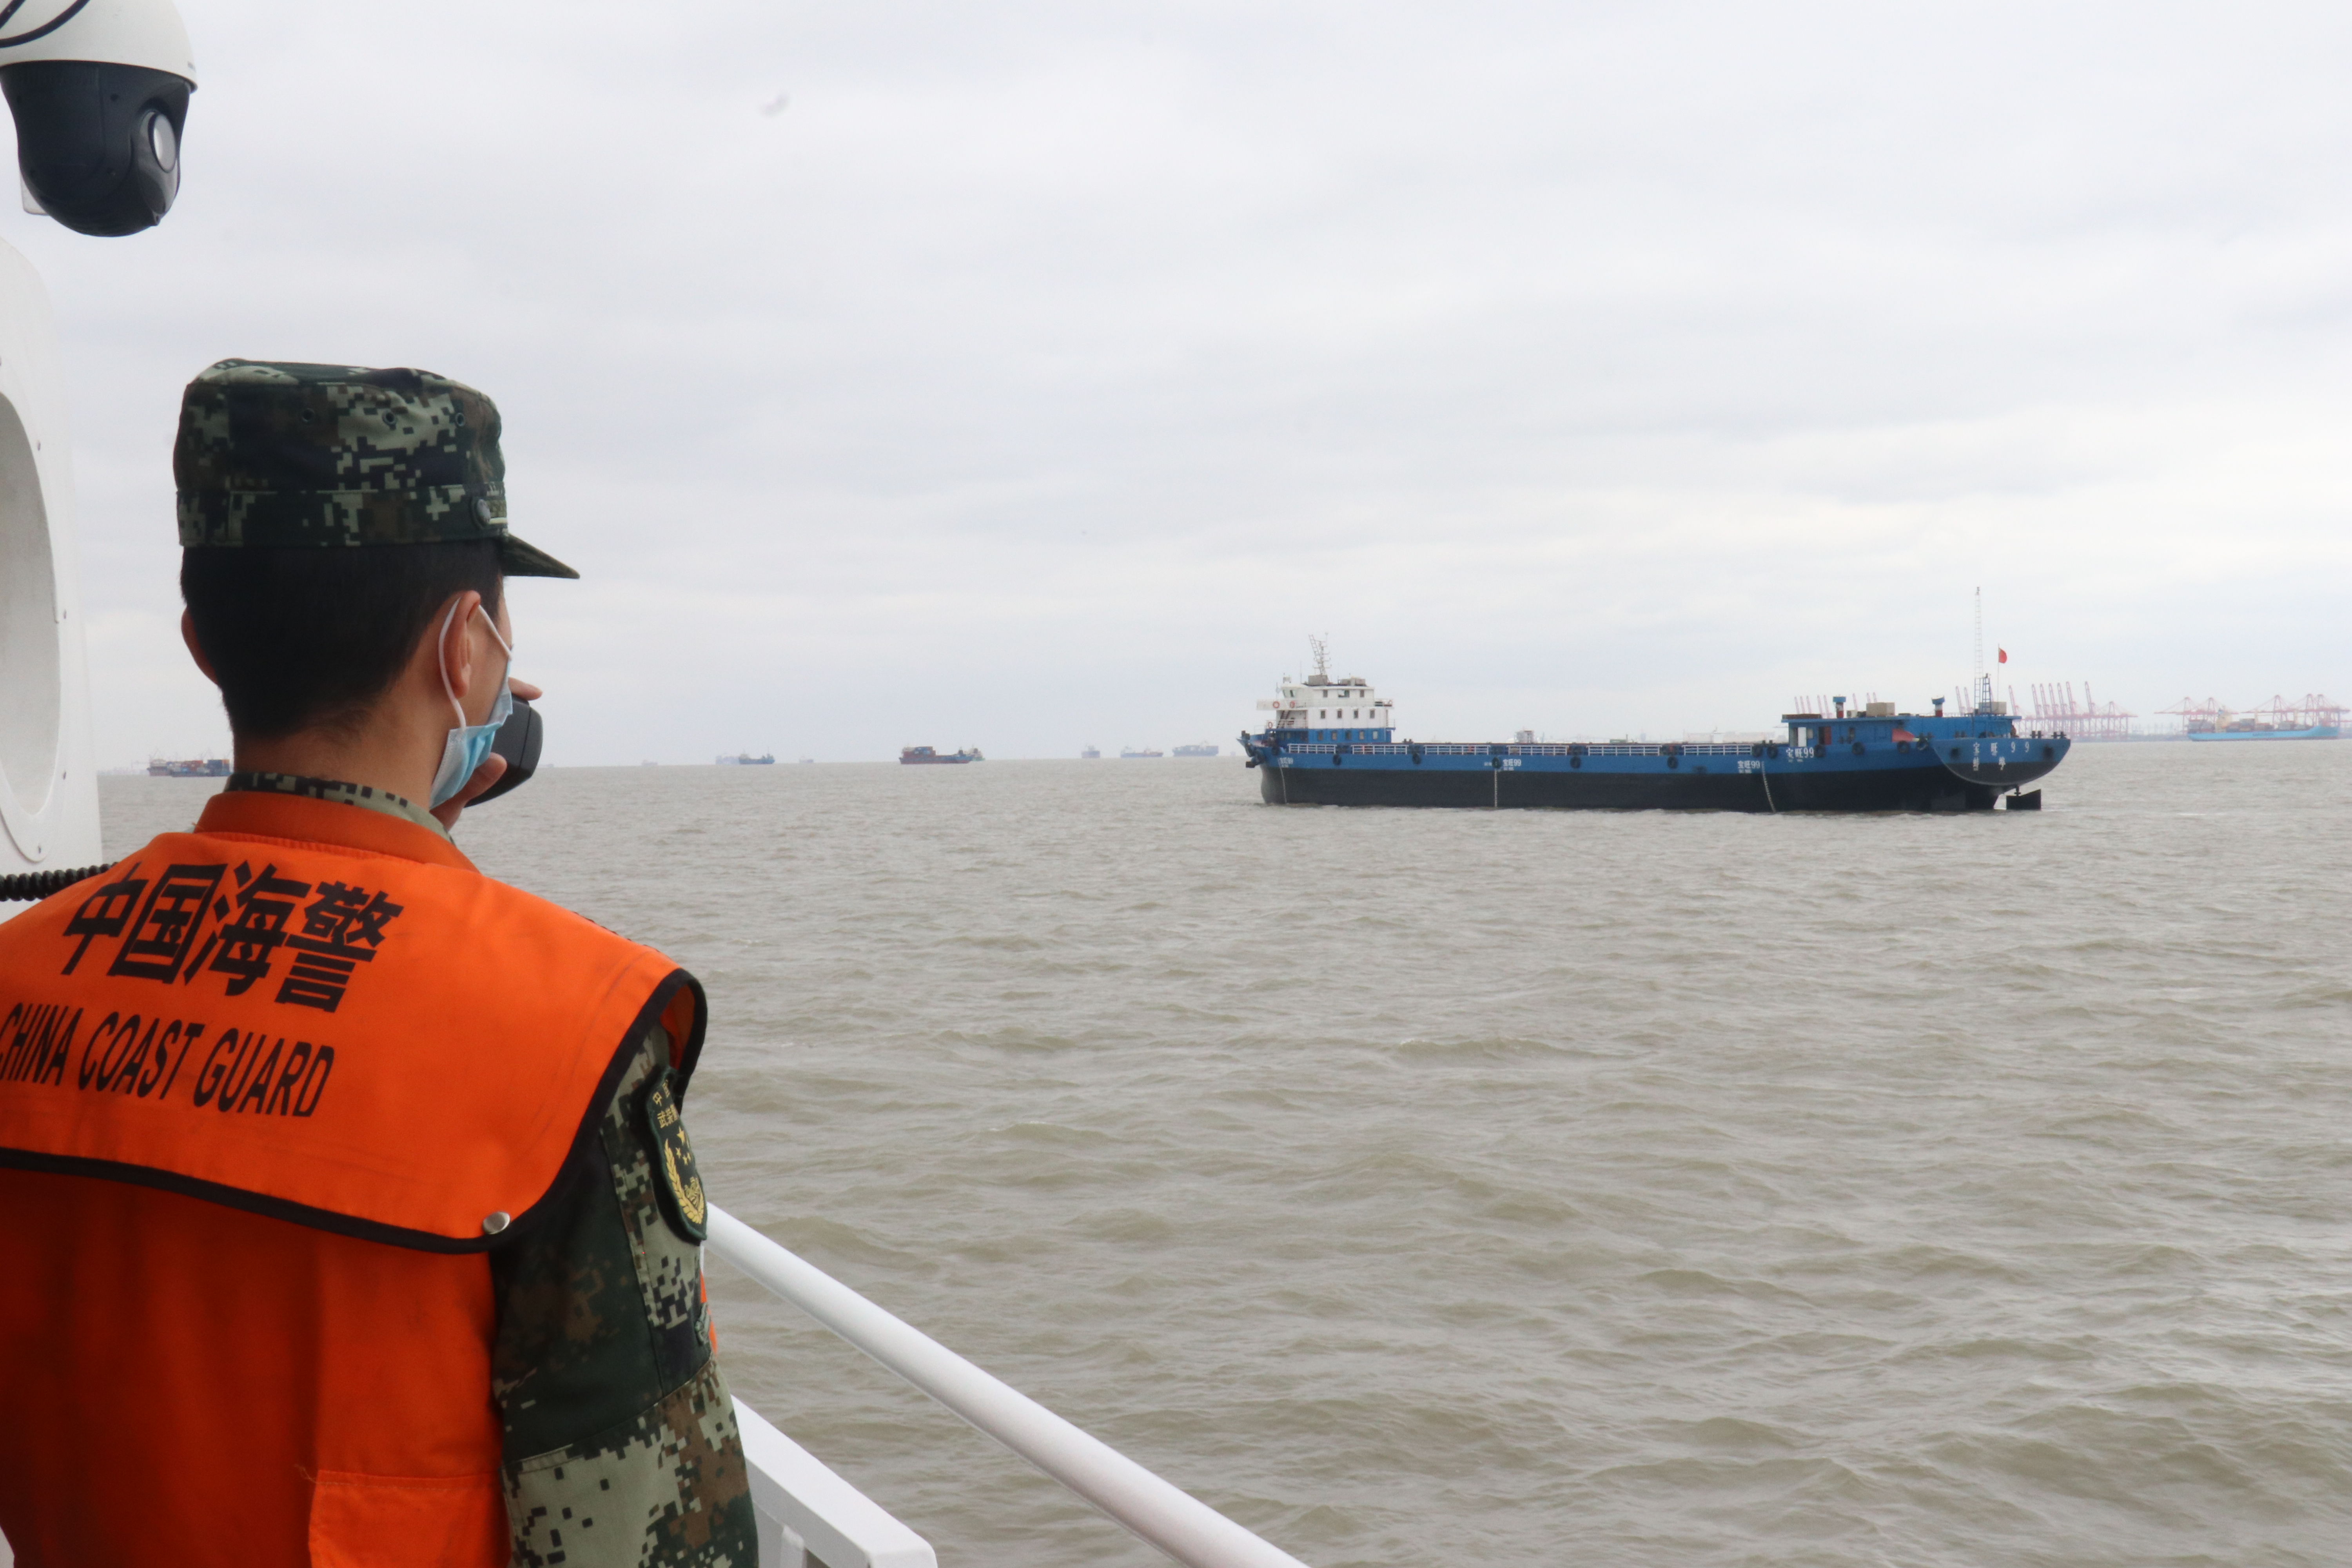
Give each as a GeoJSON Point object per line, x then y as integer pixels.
{"type": "Point", "coordinates": [306, 637]}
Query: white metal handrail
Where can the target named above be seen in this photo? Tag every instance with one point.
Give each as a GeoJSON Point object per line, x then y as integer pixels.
{"type": "Point", "coordinates": [806, 1512]}
{"type": "Point", "coordinates": [1163, 1515]}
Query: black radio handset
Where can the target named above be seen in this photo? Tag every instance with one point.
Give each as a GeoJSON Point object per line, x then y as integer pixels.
{"type": "Point", "coordinates": [518, 742]}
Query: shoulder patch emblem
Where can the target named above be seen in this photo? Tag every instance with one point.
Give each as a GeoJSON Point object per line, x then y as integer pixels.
{"type": "Point", "coordinates": [683, 1202]}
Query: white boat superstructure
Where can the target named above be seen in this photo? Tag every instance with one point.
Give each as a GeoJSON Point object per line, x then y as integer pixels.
{"type": "Point", "coordinates": [1347, 705]}
{"type": "Point", "coordinates": [48, 774]}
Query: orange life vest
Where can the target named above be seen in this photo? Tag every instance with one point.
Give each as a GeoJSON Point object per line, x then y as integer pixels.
{"type": "Point", "coordinates": [316, 1014]}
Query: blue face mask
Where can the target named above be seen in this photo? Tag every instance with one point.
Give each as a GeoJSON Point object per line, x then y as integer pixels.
{"type": "Point", "coordinates": [469, 745]}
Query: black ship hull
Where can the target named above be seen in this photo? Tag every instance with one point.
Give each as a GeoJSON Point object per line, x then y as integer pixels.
{"type": "Point", "coordinates": [1495, 789]}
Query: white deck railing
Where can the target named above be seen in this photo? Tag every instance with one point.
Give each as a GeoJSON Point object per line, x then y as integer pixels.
{"type": "Point", "coordinates": [1176, 1522]}
{"type": "Point", "coordinates": [811, 1517]}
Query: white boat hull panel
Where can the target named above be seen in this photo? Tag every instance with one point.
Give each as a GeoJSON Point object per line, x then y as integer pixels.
{"type": "Point", "coordinates": [49, 782]}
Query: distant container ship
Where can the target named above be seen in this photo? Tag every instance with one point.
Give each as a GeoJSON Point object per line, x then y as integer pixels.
{"type": "Point", "coordinates": [1333, 742]}
{"type": "Point", "coordinates": [2316, 718]}
{"type": "Point", "coordinates": [189, 768]}
{"type": "Point", "coordinates": [1147, 752]}
{"type": "Point", "coordinates": [746, 760]}
{"type": "Point", "coordinates": [1199, 748]}
{"type": "Point", "coordinates": [925, 754]}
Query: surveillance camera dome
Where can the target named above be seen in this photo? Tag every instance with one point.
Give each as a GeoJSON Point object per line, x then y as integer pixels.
{"type": "Point", "coordinates": [99, 94]}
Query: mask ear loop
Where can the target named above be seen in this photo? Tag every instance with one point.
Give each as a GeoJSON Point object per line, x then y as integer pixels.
{"type": "Point", "coordinates": [441, 658]}
{"type": "Point", "coordinates": [441, 655]}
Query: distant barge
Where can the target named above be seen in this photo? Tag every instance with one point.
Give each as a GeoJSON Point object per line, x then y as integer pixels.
{"type": "Point", "coordinates": [925, 754]}
{"type": "Point", "coordinates": [1333, 742]}
{"type": "Point", "coordinates": [2268, 732]}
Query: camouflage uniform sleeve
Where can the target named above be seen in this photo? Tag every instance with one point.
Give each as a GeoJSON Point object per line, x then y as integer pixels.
{"type": "Point", "coordinates": [621, 1444]}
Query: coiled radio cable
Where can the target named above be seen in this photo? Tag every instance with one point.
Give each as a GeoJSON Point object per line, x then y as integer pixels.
{"type": "Point", "coordinates": [30, 886]}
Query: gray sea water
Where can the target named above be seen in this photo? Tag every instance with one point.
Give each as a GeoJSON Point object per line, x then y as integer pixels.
{"type": "Point", "coordinates": [1516, 1188]}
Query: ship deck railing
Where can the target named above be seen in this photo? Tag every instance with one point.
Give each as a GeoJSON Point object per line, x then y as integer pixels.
{"type": "Point", "coordinates": [812, 1518]}
{"type": "Point", "coordinates": [1537, 748]}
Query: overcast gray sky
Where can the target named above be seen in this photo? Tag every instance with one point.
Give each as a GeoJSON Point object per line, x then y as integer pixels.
{"type": "Point", "coordinates": [1040, 373]}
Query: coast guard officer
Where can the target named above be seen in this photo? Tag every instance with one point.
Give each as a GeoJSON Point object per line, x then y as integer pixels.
{"type": "Point", "coordinates": [348, 1210]}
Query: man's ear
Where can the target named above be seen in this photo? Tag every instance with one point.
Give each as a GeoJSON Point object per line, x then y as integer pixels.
{"type": "Point", "coordinates": [450, 646]}
{"type": "Point", "coordinates": [195, 648]}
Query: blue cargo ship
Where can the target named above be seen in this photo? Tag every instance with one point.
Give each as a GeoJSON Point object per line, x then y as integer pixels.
{"type": "Point", "coordinates": [1332, 742]}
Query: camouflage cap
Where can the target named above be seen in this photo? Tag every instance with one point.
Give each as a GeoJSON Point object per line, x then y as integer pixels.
{"type": "Point", "coordinates": [330, 454]}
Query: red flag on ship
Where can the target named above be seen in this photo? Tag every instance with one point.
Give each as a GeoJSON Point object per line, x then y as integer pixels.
{"type": "Point", "coordinates": [2004, 654]}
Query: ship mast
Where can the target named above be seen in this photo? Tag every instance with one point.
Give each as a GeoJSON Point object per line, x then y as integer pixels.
{"type": "Point", "coordinates": [1976, 670]}
{"type": "Point", "coordinates": [1981, 694]}
{"type": "Point", "coordinates": [1321, 647]}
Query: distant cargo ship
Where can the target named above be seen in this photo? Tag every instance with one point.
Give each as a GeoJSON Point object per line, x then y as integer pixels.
{"type": "Point", "coordinates": [925, 754]}
{"type": "Point", "coordinates": [1201, 749]}
{"type": "Point", "coordinates": [1126, 755]}
{"type": "Point", "coordinates": [2268, 732]}
{"type": "Point", "coordinates": [1333, 742]}
{"type": "Point", "coordinates": [1091, 754]}
{"type": "Point", "coordinates": [190, 768]}
{"type": "Point", "coordinates": [746, 760]}
{"type": "Point", "coordinates": [2316, 717]}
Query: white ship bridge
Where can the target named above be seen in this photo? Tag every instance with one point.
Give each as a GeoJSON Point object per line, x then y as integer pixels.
{"type": "Point", "coordinates": [1327, 709]}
